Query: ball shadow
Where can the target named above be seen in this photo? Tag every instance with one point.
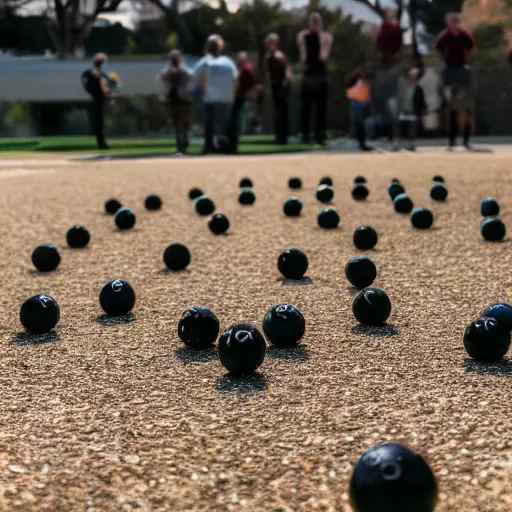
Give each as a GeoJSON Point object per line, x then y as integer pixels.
{"type": "Point", "coordinates": [112, 321]}
{"type": "Point", "coordinates": [188, 355]}
{"type": "Point", "coordinates": [169, 271]}
{"type": "Point", "coordinates": [300, 353]}
{"type": "Point", "coordinates": [24, 339]}
{"type": "Point", "coordinates": [382, 331]}
{"type": "Point", "coordinates": [242, 385]}
{"type": "Point", "coordinates": [35, 272]}
{"type": "Point", "coordinates": [305, 281]}
{"type": "Point", "coordinates": [500, 368]}
{"type": "Point", "coordinates": [353, 291]}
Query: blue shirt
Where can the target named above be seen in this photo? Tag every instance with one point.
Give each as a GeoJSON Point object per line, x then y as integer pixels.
{"type": "Point", "coordinates": [219, 74]}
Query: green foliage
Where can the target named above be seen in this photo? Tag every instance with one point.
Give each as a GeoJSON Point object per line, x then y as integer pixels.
{"type": "Point", "coordinates": [432, 12]}
{"type": "Point", "coordinates": [489, 36]}
{"type": "Point", "coordinates": [18, 115]}
{"type": "Point", "coordinates": [172, 42]}
{"type": "Point", "coordinates": [25, 34]}
{"type": "Point", "coordinates": [112, 40]}
{"type": "Point", "coordinates": [151, 36]}
{"type": "Point", "coordinates": [76, 121]}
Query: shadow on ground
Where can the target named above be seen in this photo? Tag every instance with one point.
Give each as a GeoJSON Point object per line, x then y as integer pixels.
{"type": "Point", "coordinates": [24, 339]}
{"type": "Point", "coordinates": [300, 353]}
{"type": "Point", "coordinates": [188, 355]}
{"type": "Point", "coordinates": [499, 368]}
{"type": "Point", "coordinates": [112, 321]}
{"type": "Point", "coordinates": [242, 385]}
{"type": "Point", "coordinates": [305, 281]}
{"type": "Point", "coordinates": [383, 331]}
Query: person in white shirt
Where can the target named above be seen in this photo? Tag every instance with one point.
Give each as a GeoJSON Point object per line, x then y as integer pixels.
{"type": "Point", "coordinates": [216, 74]}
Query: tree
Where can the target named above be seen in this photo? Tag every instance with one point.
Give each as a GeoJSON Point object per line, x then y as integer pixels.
{"type": "Point", "coordinates": [70, 22]}
{"type": "Point", "coordinates": [432, 13]}
{"type": "Point", "coordinates": [378, 8]}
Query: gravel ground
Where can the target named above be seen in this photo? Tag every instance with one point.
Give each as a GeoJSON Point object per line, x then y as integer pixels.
{"type": "Point", "coordinates": [119, 416]}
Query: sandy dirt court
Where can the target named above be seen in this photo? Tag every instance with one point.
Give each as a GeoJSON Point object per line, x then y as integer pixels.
{"type": "Point", "coordinates": [115, 417]}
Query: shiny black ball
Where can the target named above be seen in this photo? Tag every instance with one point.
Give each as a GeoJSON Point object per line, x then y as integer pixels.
{"type": "Point", "coordinates": [371, 306]}
{"type": "Point", "coordinates": [360, 192]}
{"type": "Point", "coordinates": [39, 314]}
{"type": "Point", "coordinates": [117, 298]}
{"type": "Point", "coordinates": [247, 197]}
{"type": "Point", "coordinates": [439, 192]}
{"type": "Point", "coordinates": [204, 206]}
{"type": "Point", "coordinates": [328, 218]}
{"type": "Point", "coordinates": [112, 205]}
{"type": "Point", "coordinates": [365, 238]}
{"type": "Point", "coordinates": [293, 263]}
{"type": "Point", "coordinates": [125, 219]}
{"type": "Point", "coordinates": [194, 193]}
{"type": "Point", "coordinates": [361, 272]}
{"type": "Point", "coordinates": [394, 189]}
{"type": "Point", "coordinates": [292, 207]}
{"type": "Point", "coordinates": [46, 257]}
{"type": "Point", "coordinates": [326, 181]}
{"type": "Point", "coordinates": [422, 218]}
{"type": "Point", "coordinates": [493, 229]}
{"type": "Point", "coordinates": [245, 183]}
{"type": "Point", "coordinates": [486, 339]}
{"type": "Point", "coordinates": [153, 203]}
{"type": "Point", "coordinates": [324, 193]}
{"type": "Point", "coordinates": [403, 203]}
{"type": "Point", "coordinates": [177, 257]}
{"type": "Point", "coordinates": [284, 325]}
{"type": "Point", "coordinates": [489, 207]}
{"type": "Point", "coordinates": [198, 328]}
{"type": "Point", "coordinates": [218, 224]}
{"type": "Point", "coordinates": [295, 183]}
{"type": "Point", "coordinates": [78, 237]}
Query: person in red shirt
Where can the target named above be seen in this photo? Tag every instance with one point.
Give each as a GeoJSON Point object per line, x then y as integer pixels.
{"type": "Point", "coordinates": [245, 84]}
{"type": "Point", "coordinates": [455, 46]}
{"type": "Point", "coordinates": [389, 40]}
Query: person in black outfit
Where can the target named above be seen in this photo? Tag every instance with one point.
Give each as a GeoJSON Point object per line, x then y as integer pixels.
{"type": "Point", "coordinates": [314, 48]}
{"type": "Point", "coordinates": [278, 77]}
{"type": "Point", "coordinates": [95, 83]}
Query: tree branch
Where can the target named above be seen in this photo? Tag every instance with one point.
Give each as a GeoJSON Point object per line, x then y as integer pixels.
{"type": "Point", "coordinates": [376, 6]}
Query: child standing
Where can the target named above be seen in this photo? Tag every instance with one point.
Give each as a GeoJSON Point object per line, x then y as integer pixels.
{"type": "Point", "coordinates": [358, 95]}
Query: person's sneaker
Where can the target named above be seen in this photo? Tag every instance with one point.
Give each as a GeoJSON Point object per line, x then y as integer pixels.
{"type": "Point", "coordinates": [365, 147]}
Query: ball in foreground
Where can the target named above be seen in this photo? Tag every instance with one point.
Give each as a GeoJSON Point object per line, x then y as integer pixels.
{"type": "Point", "coordinates": [117, 298]}
{"type": "Point", "coordinates": [153, 203]}
{"type": "Point", "coordinates": [361, 272]}
{"type": "Point", "coordinates": [284, 325]}
{"type": "Point", "coordinates": [292, 207]}
{"type": "Point", "coordinates": [324, 193]}
{"type": "Point", "coordinates": [218, 224]}
{"type": "Point", "coordinates": [502, 312]}
{"type": "Point", "coordinates": [328, 219]}
{"type": "Point", "coordinates": [489, 207]}
{"type": "Point", "coordinates": [247, 197]}
{"type": "Point", "coordinates": [39, 314]}
{"type": "Point", "coordinates": [204, 206]}
{"type": "Point", "coordinates": [392, 478]}
{"type": "Point", "coordinates": [493, 229]}
{"type": "Point", "coordinates": [486, 339]}
{"type": "Point", "coordinates": [403, 203]}
{"type": "Point", "coordinates": [241, 349]}
{"type": "Point", "coordinates": [422, 218]}
{"type": "Point", "coordinates": [371, 306]}
{"type": "Point", "coordinates": [46, 257]}
{"type": "Point", "coordinates": [125, 219]}
{"type": "Point", "coordinates": [439, 192]}
{"type": "Point", "coordinates": [293, 263]}
{"type": "Point", "coordinates": [360, 192]}
{"type": "Point", "coordinates": [365, 238]}
{"type": "Point", "coordinates": [295, 183]}
{"type": "Point", "coordinates": [78, 237]}
{"type": "Point", "coordinates": [177, 257]}
{"type": "Point", "coordinates": [111, 206]}
{"type": "Point", "coordinates": [198, 328]}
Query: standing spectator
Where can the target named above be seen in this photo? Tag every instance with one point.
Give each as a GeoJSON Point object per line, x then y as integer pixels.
{"type": "Point", "coordinates": [389, 40]}
{"type": "Point", "coordinates": [245, 84]}
{"type": "Point", "coordinates": [314, 48]}
{"type": "Point", "coordinates": [179, 96]}
{"type": "Point", "coordinates": [278, 75]}
{"type": "Point", "coordinates": [358, 95]}
{"type": "Point", "coordinates": [96, 83]}
{"type": "Point", "coordinates": [455, 46]}
{"type": "Point", "coordinates": [216, 74]}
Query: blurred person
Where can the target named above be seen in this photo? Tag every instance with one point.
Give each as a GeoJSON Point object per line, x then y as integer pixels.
{"type": "Point", "coordinates": [244, 86]}
{"type": "Point", "coordinates": [411, 106]}
{"type": "Point", "coordinates": [96, 83]}
{"type": "Point", "coordinates": [455, 46]}
{"type": "Point", "coordinates": [217, 75]}
{"type": "Point", "coordinates": [278, 76]}
{"type": "Point", "coordinates": [389, 39]}
{"type": "Point", "coordinates": [179, 96]}
{"type": "Point", "coordinates": [358, 95]}
{"type": "Point", "coordinates": [314, 49]}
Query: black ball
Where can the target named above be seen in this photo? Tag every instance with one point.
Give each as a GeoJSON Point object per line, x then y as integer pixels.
{"type": "Point", "coordinates": [438, 178]}
{"type": "Point", "coordinates": [360, 192]}
{"type": "Point", "coordinates": [177, 257]}
{"type": "Point", "coordinates": [78, 237]}
{"type": "Point", "coordinates": [439, 192]}
{"type": "Point", "coordinates": [295, 183]}
{"type": "Point", "coordinates": [489, 207]}
{"type": "Point", "coordinates": [246, 197]}
{"type": "Point", "coordinates": [361, 272]}
{"type": "Point", "coordinates": [245, 183]}
{"type": "Point", "coordinates": [392, 478]}
{"type": "Point", "coordinates": [112, 205]}
{"type": "Point", "coordinates": [326, 181]}
{"type": "Point", "coordinates": [218, 224]}
{"type": "Point", "coordinates": [371, 306]}
{"type": "Point", "coordinates": [395, 180]}
{"type": "Point", "coordinates": [422, 218]}
{"type": "Point", "coordinates": [198, 328]}
{"type": "Point", "coordinates": [324, 193]}
{"type": "Point", "coordinates": [394, 189]}
{"type": "Point", "coordinates": [284, 325]}
{"type": "Point", "coordinates": [292, 207]}
{"type": "Point", "coordinates": [125, 219]}
{"type": "Point", "coordinates": [153, 203]}
{"type": "Point", "coordinates": [403, 203]}
{"type": "Point", "coordinates": [204, 206]}
{"type": "Point", "coordinates": [493, 229]}
{"type": "Point", "coordinates": [486, 339]}
{"type": "Point", "coordinates": [117, 298]}
{"type": "Point", "coordinates": [501, 312]}
{"type": "Point", "coordinates": [46, 257]}
{"type": "Point", "coordinates": [328, 218]}
{"type": "Point", "coordinates": [194, 193]}
{"type": "Point", "coordinates": [241, 349]}
{"type": "Point", "coordinates": [39, 314]}
{"type": "Point", "coordinates": [359, 179]}
{"type": "Point", "coordinates": [365, 238]}
{"type": "Point", "coordinates": [293, 263]}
